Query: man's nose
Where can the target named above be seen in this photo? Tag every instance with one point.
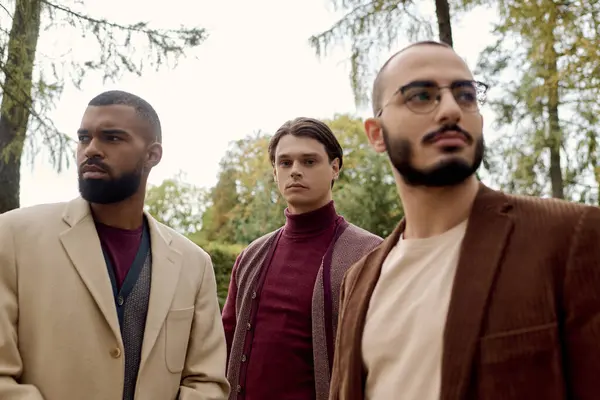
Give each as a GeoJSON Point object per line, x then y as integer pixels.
{"type": "Point", "coordinates": [296, 170]}
{"type": "Point", "coordinates": [448, 112]}
{"type": "Point", "coordinates": [93, 149]}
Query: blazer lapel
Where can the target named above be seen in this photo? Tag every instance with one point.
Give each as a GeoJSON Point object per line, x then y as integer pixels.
{"type": "Point", "coordinates": [83, 247]}
{"type": "Point", "coordinates": [487, 232]}
{"type": "Point", "coordinates": [356, 301]}
{"type": "Point", "coordinates": [166, 265]}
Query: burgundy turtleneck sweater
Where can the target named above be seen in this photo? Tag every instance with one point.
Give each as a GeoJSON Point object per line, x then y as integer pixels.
{"type": "Point", "coordinates": [280, 364]}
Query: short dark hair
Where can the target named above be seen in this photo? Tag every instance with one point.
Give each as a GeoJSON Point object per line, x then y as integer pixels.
{"type": "Point", "coordinates": [141, 106]}
{"type": "Point", "coordinates": [377, 89]}
{"type": "Point", "coordinates": [311, 128]}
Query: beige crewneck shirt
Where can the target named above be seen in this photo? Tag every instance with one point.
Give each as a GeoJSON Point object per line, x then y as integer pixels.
{"type": "Point", "coordinates": [403, 337]}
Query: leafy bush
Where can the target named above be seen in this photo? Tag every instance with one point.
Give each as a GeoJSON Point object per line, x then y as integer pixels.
{"type": "Point", "coordinates": [223, 257]}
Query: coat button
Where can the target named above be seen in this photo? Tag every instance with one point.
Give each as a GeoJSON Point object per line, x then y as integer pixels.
{"type": "Point", "coordinates": [243, 358]}
{"type": "Point", "coordinates": [239, 388]}
{"type": "Point", "coordinates": [253, 295]}
{"type": "Point", "coordinates": [248, 326]}
{"type": "Point", "coordinates": [120, 300]}
{"type": "Point", "coordinates": [116, 352]}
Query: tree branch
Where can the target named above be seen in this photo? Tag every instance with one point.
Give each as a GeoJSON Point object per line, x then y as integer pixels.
{"type": "Point", "coordinates": [140, 27]}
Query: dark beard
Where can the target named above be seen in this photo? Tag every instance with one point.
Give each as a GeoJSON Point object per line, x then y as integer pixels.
{"type": "Point", "coordinates": [114, 190]}
{"type": "Point", "coordinates": [446, 173]}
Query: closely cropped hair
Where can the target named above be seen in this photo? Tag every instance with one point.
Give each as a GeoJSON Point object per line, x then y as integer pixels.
{"type": "Point", "coordinates": [376, 99]}
{"type": "Point", "coordinates": [311, 128]}
{"type": "Point", "coordinates": [141, 106]}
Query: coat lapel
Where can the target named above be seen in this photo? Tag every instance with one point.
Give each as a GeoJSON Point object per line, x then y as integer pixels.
{"type": "Point", "coordinates": [355, 303]}
{"type": "Point", "coordinates": [166, 265]}
{"type": "Point", "coordinates": [487, 232]}
{"type": "Point", "coordinates": [83, 247]}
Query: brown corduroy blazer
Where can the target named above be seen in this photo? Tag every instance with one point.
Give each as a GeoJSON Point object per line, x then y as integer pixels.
{"type": "Point", "coordinates": [524, 316]}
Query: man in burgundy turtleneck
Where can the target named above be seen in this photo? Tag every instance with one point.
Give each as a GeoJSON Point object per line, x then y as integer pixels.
{"type": "Point", "coordinates": [280, 311]}
{"type": "Point", "coordinates": [283, 320]}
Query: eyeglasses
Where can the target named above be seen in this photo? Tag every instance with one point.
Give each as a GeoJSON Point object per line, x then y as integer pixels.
{"type": "Point", "coordinates": [422, 97]}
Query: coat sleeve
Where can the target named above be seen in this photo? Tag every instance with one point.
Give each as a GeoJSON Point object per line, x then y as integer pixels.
{"type": "Point", "coordinates": [204, 376]}
{"type": "Point", "coordinates": [11, 365]}
{"type": "Point", "coordinates": [581, 299]}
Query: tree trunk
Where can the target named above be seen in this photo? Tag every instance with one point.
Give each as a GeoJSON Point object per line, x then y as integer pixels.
{"type": "Point", "coordinates": [15, 108]}
{"type": "Point", "coordinates": [555, 138]}
{"type": "Point", "coordinates": [442, 10]}
{"type": "Point", "coordinates": [554, 145]}
{"type": "Point", "coordinates": [597, 178]}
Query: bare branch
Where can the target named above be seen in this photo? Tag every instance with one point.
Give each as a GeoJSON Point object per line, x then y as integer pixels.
{"type": "Point", "coordinates": [370, 26]}
{"type": "Point", "coordinates": [119, 52]}
{"type": "Point", "coordinates": [7, 12]}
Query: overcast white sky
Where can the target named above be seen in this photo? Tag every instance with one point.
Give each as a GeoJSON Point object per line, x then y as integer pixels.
{"type": "Point", "coordinates": [254, 72]}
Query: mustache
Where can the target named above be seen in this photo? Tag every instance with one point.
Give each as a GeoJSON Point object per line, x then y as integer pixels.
{"type": "Point", "coordinates": [431, 136]}
{"type": "Point", "coordinates": [95, 162]}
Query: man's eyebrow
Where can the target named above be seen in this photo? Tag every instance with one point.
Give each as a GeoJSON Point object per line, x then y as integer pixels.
{"type": "Point", "coordinates": [285, 155]}
{"type": "Point", "coordinates": [112, 131]}
{"type": "Point", "coordinates": [428, 83]}
{"type": "Point", "coordinates": [420, 83]}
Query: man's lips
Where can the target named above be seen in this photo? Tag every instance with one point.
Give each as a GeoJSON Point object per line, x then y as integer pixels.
{"type": "Point", "coordinates": [92, 172]}
{"type": "Point", "coordinates": [92, 168]}
{"type": "Point", "coordinates": [296, 186]}
{"type": "Point", "coordinates": [450, 138]}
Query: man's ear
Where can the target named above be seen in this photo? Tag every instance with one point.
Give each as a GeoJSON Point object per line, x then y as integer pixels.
{"type": "Point", "coordinates": [374, 132]}
{"type": "Point", "coordinates": [154, 154]}
{"type": "Point", "coordinates": [335, 165]}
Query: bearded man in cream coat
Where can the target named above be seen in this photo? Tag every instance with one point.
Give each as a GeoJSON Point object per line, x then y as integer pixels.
{"type": "Point", "coordinates": [99, 301]}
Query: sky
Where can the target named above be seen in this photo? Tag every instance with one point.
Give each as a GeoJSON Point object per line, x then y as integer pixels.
{"type": "Point", "coordinates": [255, 71]}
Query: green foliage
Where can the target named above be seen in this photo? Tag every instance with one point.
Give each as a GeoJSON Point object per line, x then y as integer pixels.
{"type": "Point", "coordinates": [223, 257]}
{"type": "Point", "coordinates": [224, 199]}
{"type": "Point", "coordinates": [176, 204]}
{"type": "Point", "coordinates": [366, 193]}
{"type": "Point", "coordinates": [245, 203]}
{"type": "Point", "coordinates": [549, 110]}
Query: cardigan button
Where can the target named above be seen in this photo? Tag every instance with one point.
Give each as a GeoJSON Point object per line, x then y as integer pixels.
{"type": "Point", "coordinates": [243, 358]}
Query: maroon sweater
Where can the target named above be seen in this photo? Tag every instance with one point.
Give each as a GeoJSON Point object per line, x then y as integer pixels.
{"type": "Point", "coordinates": [122, 246]}
{"type": "Point", "coordinates": [280, 363]}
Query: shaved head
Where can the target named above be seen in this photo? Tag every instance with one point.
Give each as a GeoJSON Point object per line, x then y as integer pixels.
{"type": "Point", "coordinates": [376, 96]}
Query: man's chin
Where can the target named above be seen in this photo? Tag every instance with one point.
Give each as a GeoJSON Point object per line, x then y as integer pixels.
{"type": "Point", "coordinates": [458, 156]}
{"type": "Point", "coordinates": [301, 199]}
{"type": "Point", "coordinates": [444, 174]}
{"type": "Point", "coordinates": [95, 180]}
{"type": "Point", "coordinates": [297, 197]}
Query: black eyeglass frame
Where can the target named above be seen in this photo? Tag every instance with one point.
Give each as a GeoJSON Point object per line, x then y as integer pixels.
{"type": "Point", "coordinates": [480, 87]}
